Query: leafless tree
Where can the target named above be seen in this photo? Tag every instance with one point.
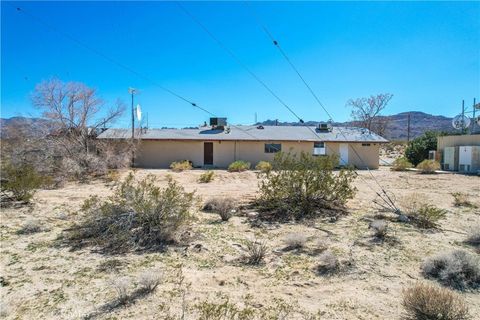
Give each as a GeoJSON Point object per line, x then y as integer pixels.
{"type": "Point", "coordinates": [366, 111]}
{"type": "Point", "coordinates": [76, 111]}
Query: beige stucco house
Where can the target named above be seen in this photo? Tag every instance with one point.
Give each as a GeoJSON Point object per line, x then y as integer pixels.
{"type": "Point", "coordinates": [218, 146]}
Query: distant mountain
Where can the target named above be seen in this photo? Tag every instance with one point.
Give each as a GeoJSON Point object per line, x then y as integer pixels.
{"type": "Point", "coordinates": [23, 127]}
{"type": "Point", "coordinates": [397, 125]}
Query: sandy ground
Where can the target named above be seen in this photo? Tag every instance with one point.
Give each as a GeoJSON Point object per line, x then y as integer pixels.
{"type": "Point", "coordinates": [43, 280]}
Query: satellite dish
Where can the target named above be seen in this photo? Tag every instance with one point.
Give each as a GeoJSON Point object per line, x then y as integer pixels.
{"type": "Point", "coordinates": [139, 113]}
{"type": "Point", "coordinates": [461, 121]}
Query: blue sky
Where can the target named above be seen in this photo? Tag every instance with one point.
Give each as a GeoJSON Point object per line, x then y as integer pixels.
{"type": "Point", "coordinates": [426, 53]}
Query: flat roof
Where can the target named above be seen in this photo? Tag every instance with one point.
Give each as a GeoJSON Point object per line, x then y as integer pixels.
{"type": "Point", "coordinates": [251, 133]}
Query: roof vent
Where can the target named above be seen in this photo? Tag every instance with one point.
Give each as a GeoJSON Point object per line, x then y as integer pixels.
{"type": "Point", "coordinates": [260, 127]}
{"type": "Point", "coordinates": [324, 127]}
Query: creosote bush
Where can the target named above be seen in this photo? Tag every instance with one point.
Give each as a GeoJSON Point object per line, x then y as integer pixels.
{"type": "Point", "coordinates": [456, 269]}
{"type": "Point", "coordinates": [263, 166]}
{"type": "Point", "coordinates": [427, 302]}
{"type": "Point", "coordinates": [224, 206]}
{"type": "Point", "coordinates": [420, 213]}
{"type": "Point", "coordinates": [178, 166]}
{"type": "Point", "coordinates": [327, 263]}
{"type": "Point", "coordinates": [304, 186]}
{"type": "Point", "coordinates": [428, 166]}
{"type": "Point", "coordinates": [401, 164]}
{"type": "Point", "coordinates": [239, 166]}
{"type": "Point", "coordinates": [139, 215]}
{"type": "Point", "coordinates": [295, 240]}
{"type": "Point", "coordinates": [22, 181]}
{"type": "Point", "coordinates": [256, 251]}
{"type": "Point", "coordinates": [206, 177]}
{"type": "Point", "coordinates": [460, 199]}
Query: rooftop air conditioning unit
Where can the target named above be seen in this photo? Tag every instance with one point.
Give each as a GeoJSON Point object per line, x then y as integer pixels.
{"type": "Point", "coordinates": [218, 122]}
{"type": "Point", "coordinates": [324, 126]}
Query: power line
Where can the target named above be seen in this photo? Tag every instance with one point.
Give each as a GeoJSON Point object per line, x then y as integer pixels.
{"type": "Point", "coordinates": [285, 56]}
{"type": "Point", "coordinates": [118, 64]}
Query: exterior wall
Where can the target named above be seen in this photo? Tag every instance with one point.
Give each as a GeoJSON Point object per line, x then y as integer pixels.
{"type": "Point", "coordinates": [161, 153]}
{"type": "Point", "coordinates": [455, 141]}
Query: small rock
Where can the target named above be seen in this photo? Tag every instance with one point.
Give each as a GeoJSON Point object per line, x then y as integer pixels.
{"type": "Point", "coordinates": [252, 215]}
{"type": "Point", "coordinates": [403, 218]}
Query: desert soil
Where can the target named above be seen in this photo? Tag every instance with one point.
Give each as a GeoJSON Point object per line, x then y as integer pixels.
{"type": "Point", "coordinates": [42, 279]}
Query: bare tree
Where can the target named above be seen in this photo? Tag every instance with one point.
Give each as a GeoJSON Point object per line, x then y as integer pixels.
{"type": "Point", "coordinates": [76, 111]}
{"type": "Point", "coordinates": [366, 111]}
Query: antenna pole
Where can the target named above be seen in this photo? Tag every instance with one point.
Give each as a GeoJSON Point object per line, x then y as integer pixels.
{"type": "Point", "coordinates": [474, 119]}
{"type": "Point", "coordinates": [463, 116]}
{"type": "Point", "coordinates": [408, 127]}
{"type": "Point", "coordinates": [132, 91]}
{"type": "Point", "coordinates": [255, 118]}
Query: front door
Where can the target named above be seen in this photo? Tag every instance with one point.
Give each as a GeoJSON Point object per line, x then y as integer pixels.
{"type": "Point", "coordinates": [343, 154]}
{"type": "Point", "coordinates": [208, 153]}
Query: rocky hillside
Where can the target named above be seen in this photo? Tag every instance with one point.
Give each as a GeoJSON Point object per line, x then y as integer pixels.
{"type": "Point", "coordinates": [22, 126]}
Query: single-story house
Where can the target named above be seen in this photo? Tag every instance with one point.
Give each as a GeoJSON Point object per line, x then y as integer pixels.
{"type": "Point", "coordinates": [219, 145]}
{"type": "Point", "coordinates": [459, 152]}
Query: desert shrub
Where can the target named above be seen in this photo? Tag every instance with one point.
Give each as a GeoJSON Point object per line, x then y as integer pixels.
{"type": "Point", "coordinates": [327, 263]}
{"type": "Point", "coordinates": [239, 166]}
{"type": "Point", "coordinates": [420, 213]}
{"type": "Point", "coordinates": [263, 166]}
{"type": "Point", "coordinates": [206, 177]}
{"type": "Point", "coordinates": [30, 226]}
{"type": "Point", "coordinates": [112, 176]}
{"type": "Point", "coordinates": [121, 286]}
{"type": "Point", "coordinates": [303, 186]}
{"type": "Point", "coordinates": [179, 166]}
{"type": "Point", "coordinates": [148, 281]}
{"type": "Point", "coordinates": [110, 265]}
{"type": "Point", "coordinates": [428, 166]}
{"type": "Point", "coordinates": [401, 164]}
{"type": "Point", "coordinates": [138, 215]}
{"type": "Point", "coordinates": [460, 199]}
{"type": "Point", "coordinates": [426, 302]}
{"type": "Point", "coordinates": [417, 149]}
{"type": "Point", "coordinates": [256, 251]}
{"type": "Point", "coordinates": [295, 240]}
{"type": "Point", "coordinates": [21, 181]}
{"type": "Point", "coordinates": [457, 269]}
{"type": "Point", "coordinates": [224, 206]}
{"type": "Point", "coordinates": [473, 236]}
{"type": "Point", "coordinates": [380, 228]}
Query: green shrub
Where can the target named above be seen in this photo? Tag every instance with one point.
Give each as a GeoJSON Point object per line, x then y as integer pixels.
{"type": "Point", "coordinates": [428, 166]}
{"type": "Point", "coordinates": [239, 166]}
{"type": "Point", "coordinates": [263, 166]}
{"type": "Point", "coordinates": [206, 177]}
{"type": "Point", "coordinates": [179, 166]}
{"type": "Point", "coordinates": [460, 199]}
{"type": "Point", "coordinates": [256, 252]}
{"type": "Point", "coordinates": [302, 186]}
{"type": "Point", "coordinates": [138, 215]}
{"type": "Point", "coordinates": [21, 181]}
{"type": "Point", "coordinates": [401, 164]}
{"type": "Point", "coordinates": [420, 213]}
{"type": "Point", "coordinates": [417, 149]}
{"type": "Point", "coordinates": [426, 302]}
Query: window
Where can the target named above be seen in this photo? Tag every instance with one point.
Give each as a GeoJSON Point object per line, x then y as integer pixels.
{"type": "Point", "coordinates": [273, 147]}
{"type": "Point", "coordinates": [319, 148]}
{"type": "Point", "coordinates": [365, 144]}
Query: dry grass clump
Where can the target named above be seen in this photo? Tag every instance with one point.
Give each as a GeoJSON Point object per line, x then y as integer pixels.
{"type": "Point", "coordinates": [473, 237]}
{"type": "Point", "coordinates": [263, 166]}
{"type": "Point", "coordinates": [139, 215]}
{"type": "Point", "coordinates": [303, 186]}
{"type": "Point", "coordinates": [224, 206]}
{"type": "Point", "coordinates": [460, 199]}
{"type": "Point", "coordinates": [428, 166]}
{"type": "Point", "coordinates": [456, 269]}
{"type": "Point", "coordinates": [420, 213]}
{"type": "Point", "coordinates": [178, 166]}
{"type": "Point", "coordinates": [401, 164]}
{"type": "Point", "coordinates": [239, 166]}
{"type": "Point", "coordinates": [121, 286]}
{"type": "Point", "coordinates": [148, 281]}
{"type": "Point", "coordinates": [426, 302]}
{"type": "Point", "coordinates": [295, 241]}
{"type": "Point", "coordinates": [110, 265]}
{"type": "Point", "coordinates": [256, 252]}
{"type": "Point", "coordinates": [327, 263]}
{"type": "Point", "coordinates": [206, 177]}
{"type": "Point", "coordinates": [380, 228]}
{"type": "Point", "coordinates": [30, 226]}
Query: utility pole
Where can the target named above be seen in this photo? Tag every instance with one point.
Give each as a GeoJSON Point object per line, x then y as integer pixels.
{"type": "Point", "coordinates": [463, 116]}
{"type": "Point", "coordinates": [255, 118]}
{"type": "Point", "coordinates": [408, 127]}
{"type": "Point", "coordinates": [474, 119]}
{"type": "Point", "coordinates": [133, 91]}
